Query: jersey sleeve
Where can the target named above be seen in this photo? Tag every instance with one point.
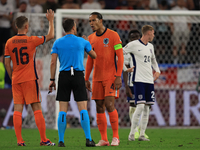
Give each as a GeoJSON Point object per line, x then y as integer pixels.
{"type": "Point", "coordinates": [7, 54]}
{"type": "Point", "coordinates": [126, 59]}
{"type": "Point", "coordinates": [116, 39]}
{"type": "Point", "coordinates": [154, 62]}
{"type": "Point", "coordinates": [54, 48]}
{"type": "Point", "coordinates": [127, 49]}
{"type": "Point", "coordinates": [38, 40]}
{"type": "Point", "coordinates": [88, 46]}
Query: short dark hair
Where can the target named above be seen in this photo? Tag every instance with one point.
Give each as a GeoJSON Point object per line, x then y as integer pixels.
{"type": "Point", "coordinates": [68, 24]}
{"type": "Point", "coordinates": [99, 16]}
{"type": "Point", "coordinates": [20, 21]}
{"type": "Point", "coordinates": [134, 31]}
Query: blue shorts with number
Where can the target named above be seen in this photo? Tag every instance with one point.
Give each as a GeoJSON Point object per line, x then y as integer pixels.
{"type": "Point", "coordinates": [131, 99]}
{"type": "Point", "coordinates": [144, 93]}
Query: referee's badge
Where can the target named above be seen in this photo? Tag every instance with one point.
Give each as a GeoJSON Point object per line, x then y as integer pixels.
{"type": "Point", "coordinates": [140, 96]}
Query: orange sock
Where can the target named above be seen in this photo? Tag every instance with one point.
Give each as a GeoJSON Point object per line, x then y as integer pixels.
{"type": "Point", "coordinates": [40, 122]}
{"type": "Point", "coordinates": [114, 122]}
{"type": "Point", "coordinates": [17, 121]}
{"type": "Point", "coordinates": [102, 125]}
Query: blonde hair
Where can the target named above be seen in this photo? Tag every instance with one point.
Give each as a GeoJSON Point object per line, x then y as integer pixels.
{"type": "Point", "coordinates": [146, 28]}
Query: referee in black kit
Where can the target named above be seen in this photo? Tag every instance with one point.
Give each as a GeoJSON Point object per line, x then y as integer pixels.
{"type": "Point", "coordinates": [70, 51]}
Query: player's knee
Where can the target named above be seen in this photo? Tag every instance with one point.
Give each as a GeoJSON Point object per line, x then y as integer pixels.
{"type": "Point", "coordinates": [100, 108]}
{"type": "Point", "coordinates": [140, 106]}
{"type": "Point", "coordinates": [18, 107]}
{"type": "Point", "coordinates": [110, 107]}
{"type": "Point", "coordinates": [36, 106]}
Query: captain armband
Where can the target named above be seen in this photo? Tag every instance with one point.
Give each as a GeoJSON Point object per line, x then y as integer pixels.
{"type": "Point", "coordinates": [118, 46]}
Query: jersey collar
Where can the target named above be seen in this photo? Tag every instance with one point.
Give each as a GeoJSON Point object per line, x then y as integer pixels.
{"type": "Point", "coordinates": [70, 35]}
{"type": "Point", "coordinates": [142, 42]}
{"type": "Point", "coordinates": [20, 34]}
{"type": "Point", "coordinates": [102, 33]}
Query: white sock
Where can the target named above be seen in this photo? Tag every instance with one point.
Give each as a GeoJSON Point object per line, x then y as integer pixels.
{"type": "Point", "coordinates": [139, 124]}
{"type": "Point", "coordinates": [131, 111]}
{"type": "Point", "coordinates": [136, 116]}
{"type": "Point", "coordinates": [144, 120]}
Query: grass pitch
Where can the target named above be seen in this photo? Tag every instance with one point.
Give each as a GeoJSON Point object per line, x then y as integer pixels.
{"type": "Point", "coordinates": [161, 139]}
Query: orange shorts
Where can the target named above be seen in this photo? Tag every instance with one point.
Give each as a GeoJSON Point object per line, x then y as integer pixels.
{"type": "Point", "coordinates": [101, 89]}
{"type": "Point", "coordinates": [26, 92]}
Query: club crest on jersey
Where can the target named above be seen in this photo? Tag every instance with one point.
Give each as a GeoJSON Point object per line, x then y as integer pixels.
{"type": "Point", "coordinates": [106, 41]}
{"type": "Point", "coordinates": [151, 50]}
{"type": "Point", "coordinates": [140, 96]}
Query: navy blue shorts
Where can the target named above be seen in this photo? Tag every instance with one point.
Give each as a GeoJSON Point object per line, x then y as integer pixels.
{"type": "Point", "coordinates": [144, 93]}
{"type": "Point", "coordinates": [131, 99]}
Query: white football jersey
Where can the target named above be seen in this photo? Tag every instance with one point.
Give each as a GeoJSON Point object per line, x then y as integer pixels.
{"type": "Point", "coordinates": [143, 58]}
{"type": "Point", "coordinates": [129, 61]}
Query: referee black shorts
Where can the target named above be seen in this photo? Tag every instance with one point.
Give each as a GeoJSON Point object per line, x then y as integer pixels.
{"type": "Point", "coordinates": [68, 83]}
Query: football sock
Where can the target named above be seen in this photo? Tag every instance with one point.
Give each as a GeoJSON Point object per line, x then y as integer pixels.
{"type": "Point", "coordinates": [102, 125]}
{"type": "Point", "coordinates": [114, 122]}
{"type": "Point", "coordinates": [40, 122]}
{"type": "Point", "coordinates": [62, 122]}
{"type": "Point", "coordinates": [136, 116]}
{"type": "Point", "coordinates": [17, 120]}
{"type": "Point", "coordinates": [85, 123]}
{"type": "Point", "coordinates": [131, 111]}
{"type": "Point", "coordinates": [144, 120]}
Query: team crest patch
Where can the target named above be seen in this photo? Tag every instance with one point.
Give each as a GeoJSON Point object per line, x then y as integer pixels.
{"type": "Point", "coordinates": [106, 41]}
{"type": "Point", "coordinates": [140, 96]}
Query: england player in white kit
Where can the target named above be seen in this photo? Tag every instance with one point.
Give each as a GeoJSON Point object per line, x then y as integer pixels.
{"type": "Point", "coordinates": [127, 76]}
{"type": "Point", "coordinates": [143, 57]}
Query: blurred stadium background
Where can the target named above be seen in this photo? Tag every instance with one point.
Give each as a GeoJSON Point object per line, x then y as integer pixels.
{"type": "Point", "coordinates": [177, 50]}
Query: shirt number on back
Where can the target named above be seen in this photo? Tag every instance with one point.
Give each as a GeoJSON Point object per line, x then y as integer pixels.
{"type": "Point", "coordinates": [146, 59]}
{"type": "Point", "coordinates": [21, 54]}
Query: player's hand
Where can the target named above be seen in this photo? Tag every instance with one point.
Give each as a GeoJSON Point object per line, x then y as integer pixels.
{"type": "Point", "coordinates": [156, 75]}
{"type": "Point", "coordinates": [118, 82]}
{"type": "Point", "coordinates": [85, 37]}
{"type": "Point", "coordinates": [50, 15]}
{"type": "Point", "coordinates": [130, 69]}
{"type": "Point", "coordinates": [87, 85]}
{"type": "Point", "coordinates": [51, 85]}
{"type": "Point", "coordinates": [128, 92]}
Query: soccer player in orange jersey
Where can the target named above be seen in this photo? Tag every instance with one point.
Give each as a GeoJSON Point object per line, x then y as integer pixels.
{"type": "Point", "coordinates": [106, 76]}
{"type": "Point", "coordinates": [21, 50]}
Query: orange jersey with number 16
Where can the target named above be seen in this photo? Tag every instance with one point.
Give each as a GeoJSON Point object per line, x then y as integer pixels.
{"type": "Point", "coordinates": [105, 65]}
{"type": "Point", "coordinates": [22, 50]}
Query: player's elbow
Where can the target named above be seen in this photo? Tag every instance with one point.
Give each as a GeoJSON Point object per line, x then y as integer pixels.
{"type": "Point", "coordinates": [92, 54]}
{"type": "Point", "coordinates": [49, 37]}
{"type": "Point", "coordinates": [53, 63]}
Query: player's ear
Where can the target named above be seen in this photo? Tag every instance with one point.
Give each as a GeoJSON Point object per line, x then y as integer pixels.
{"type": "Point", "coordinates": [26, 26]}
{"type": "Point", "coordinates": [101, 20]}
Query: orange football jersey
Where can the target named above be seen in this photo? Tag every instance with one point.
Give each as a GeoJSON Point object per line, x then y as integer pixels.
{"type": "Point", "coordinates": [105, 64]}
{"type": "Point", "coordinates": [22, 50]}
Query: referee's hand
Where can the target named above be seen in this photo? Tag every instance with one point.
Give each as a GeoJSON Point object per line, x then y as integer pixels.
{"type": "Point", "coordinates": [87, 85]}
{"type": "Point", "coordinates": [85, 37]}
{"type": "Point", "coordinates": [51, 85]}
